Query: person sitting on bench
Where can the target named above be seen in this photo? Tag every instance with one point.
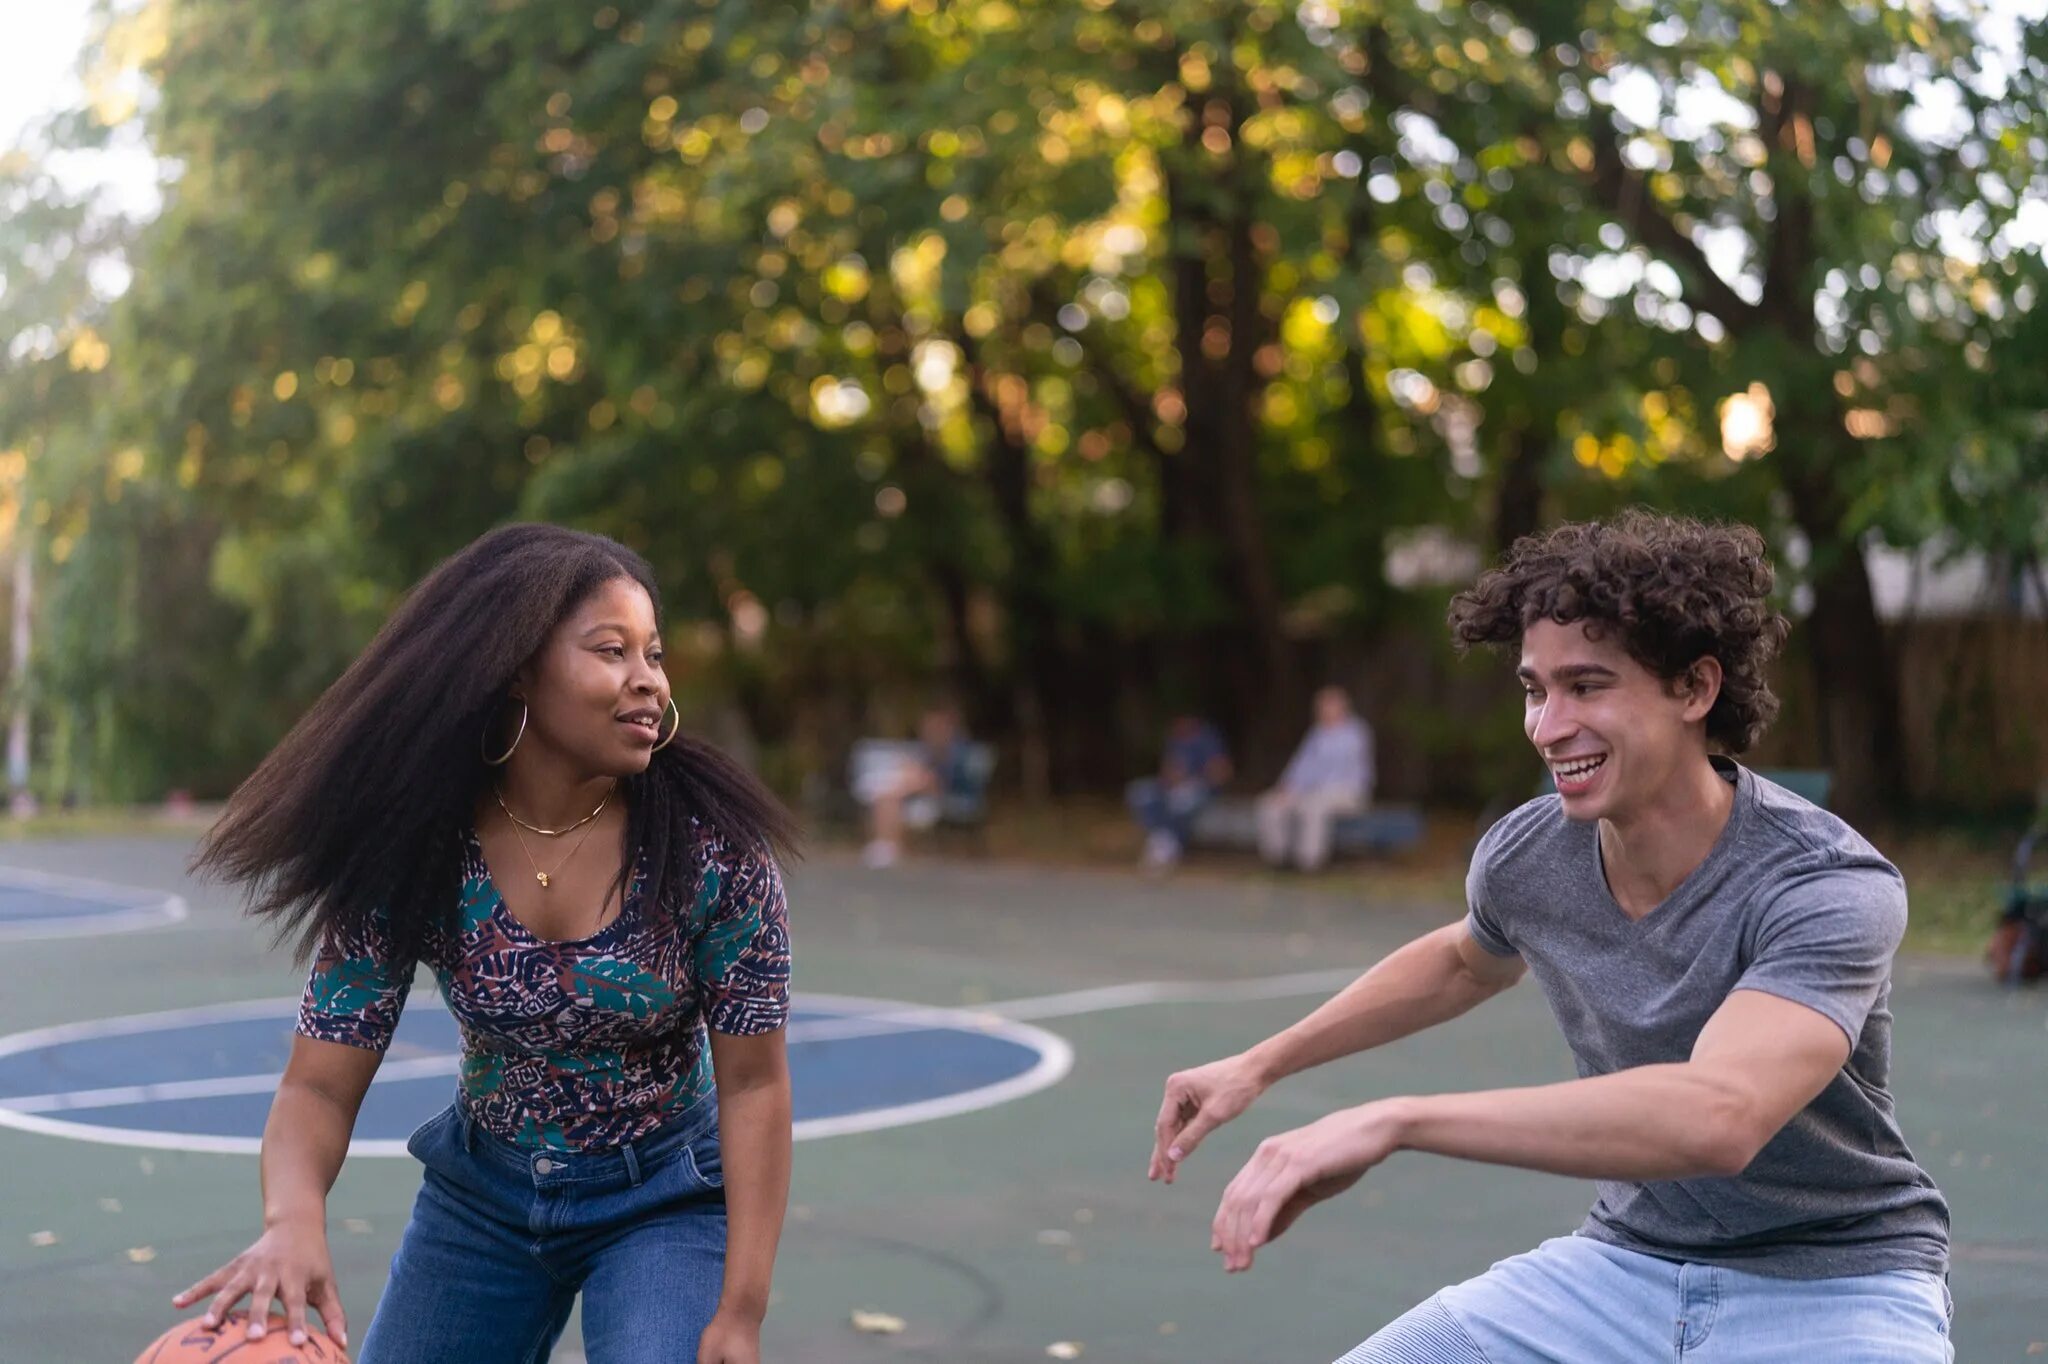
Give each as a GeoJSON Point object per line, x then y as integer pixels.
{"type": "Point", "coordinates": [1331, 774]}
{"type": "Point", "coordinates": [913, 794]}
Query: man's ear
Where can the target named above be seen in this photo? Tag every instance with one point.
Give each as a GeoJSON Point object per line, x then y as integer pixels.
{"type": "Point", "coordinates": [1701, 686]}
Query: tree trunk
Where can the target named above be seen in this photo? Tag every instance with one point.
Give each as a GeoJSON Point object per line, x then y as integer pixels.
{"type": "Point", "coordinates": [1217, 304]}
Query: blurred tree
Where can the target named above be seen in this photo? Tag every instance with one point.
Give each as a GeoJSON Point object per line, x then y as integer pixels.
{"type": "Point", "coordinates": [1072, 355]}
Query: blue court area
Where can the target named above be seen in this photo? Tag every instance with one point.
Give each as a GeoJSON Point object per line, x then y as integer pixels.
{"type": "Point", "coordinates": [201, 1079]}
{"type": "Point", "coordinates": [39, 905]}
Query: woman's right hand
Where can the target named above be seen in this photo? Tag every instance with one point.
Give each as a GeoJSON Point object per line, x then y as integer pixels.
{"type": "Point", "coordinates": [288, 1263]}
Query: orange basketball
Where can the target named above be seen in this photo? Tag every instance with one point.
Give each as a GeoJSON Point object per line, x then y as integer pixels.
{"type": "Point", "coordinates": [192, 1343]}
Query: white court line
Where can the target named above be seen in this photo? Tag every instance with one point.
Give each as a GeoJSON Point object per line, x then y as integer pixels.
{"type": "Point", "coordinates": [168, 909]}
{"type": "Point", "coordinates": [1005, 1019]}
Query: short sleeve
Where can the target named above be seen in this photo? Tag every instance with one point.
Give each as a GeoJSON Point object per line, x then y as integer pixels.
{"type": "Point", "coordinates": [1482, 920]}
{"type": "Point", "coordinates": [1827, 942]}
{"type": "Point", "coordinates": [356, 988]}
{"type": "Point", "coordinates": [742, 956]}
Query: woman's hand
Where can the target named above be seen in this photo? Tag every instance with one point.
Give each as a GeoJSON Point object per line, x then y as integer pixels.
{"type": "Point", "coordinates": [288, 1263]}
{"type": "Point", "coordinates": [731, 1338]}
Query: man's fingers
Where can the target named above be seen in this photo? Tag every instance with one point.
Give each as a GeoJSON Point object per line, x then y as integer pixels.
{"type": "Point", "coordinates": [1190, 1136]}
{"type": "Point", "coordinates": [328, 1300]}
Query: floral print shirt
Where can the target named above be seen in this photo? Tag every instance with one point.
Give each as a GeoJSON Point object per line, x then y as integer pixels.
{"type": "Point", "coordinates": [584, 1044]}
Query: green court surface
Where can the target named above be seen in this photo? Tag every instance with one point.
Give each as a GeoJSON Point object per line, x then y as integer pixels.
{"type": "Point", "coordinates": [1024, 1228]}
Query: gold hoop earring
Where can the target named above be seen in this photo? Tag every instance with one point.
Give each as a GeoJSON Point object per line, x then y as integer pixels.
{"type": "Point", "coordinates": [674, 729]}
{"type": "Point", "coordinates": [506, 756]}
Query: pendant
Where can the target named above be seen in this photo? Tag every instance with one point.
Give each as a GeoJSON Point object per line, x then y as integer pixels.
{"type": "Point", "coordinates": [541, 877]}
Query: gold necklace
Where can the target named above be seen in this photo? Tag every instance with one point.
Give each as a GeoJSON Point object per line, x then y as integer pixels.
{"type": "Point", "coordinates": [553, 833]}
{"type": "Point", "coordinates": [546, 878]}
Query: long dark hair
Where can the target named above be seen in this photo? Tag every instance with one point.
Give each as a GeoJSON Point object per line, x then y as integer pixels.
{"type": "Point", "coordinates": [362, 807]}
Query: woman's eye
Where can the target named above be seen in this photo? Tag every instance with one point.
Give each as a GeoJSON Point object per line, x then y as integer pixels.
{"type": "Point", "coordinates": [613, 651]}
{"type": "Point", "coordinates": [656, 657]}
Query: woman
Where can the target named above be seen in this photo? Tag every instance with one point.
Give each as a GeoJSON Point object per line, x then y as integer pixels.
{"type": "Point", "coordinates": [497, 788]}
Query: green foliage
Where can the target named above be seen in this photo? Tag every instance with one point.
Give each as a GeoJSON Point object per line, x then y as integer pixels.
{"type": "Point", "coordinates": [1076, 348]}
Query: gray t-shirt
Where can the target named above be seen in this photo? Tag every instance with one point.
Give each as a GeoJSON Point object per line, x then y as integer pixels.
{"type": "Point", "coordinates": [1791, 902]}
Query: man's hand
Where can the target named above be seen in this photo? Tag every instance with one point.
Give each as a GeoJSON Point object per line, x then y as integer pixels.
{"type": "Point", "coordinates": [1198, 1102]}
{"type": "Point", "coordinates": [1291, 1173]}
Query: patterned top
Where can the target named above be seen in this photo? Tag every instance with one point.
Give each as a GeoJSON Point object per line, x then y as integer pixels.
{"type": "Point", "coordinates": [585, 1044]}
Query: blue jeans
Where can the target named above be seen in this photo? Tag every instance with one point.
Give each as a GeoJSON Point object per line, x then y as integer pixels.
{"type": "Point", "coordinates": [502, 1238]}
{"type": "Point", "coordinates": [1167, 809]}
{"type": "Point", "coordinates": [1574, 1300]}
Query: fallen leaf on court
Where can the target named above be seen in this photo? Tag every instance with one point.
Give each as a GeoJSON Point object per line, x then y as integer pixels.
{"type": "Point", "coordinates": [148, 1165]}
{"type": "Point", "coordinates": [1064, 1349]}
{"type": "Point", "coordinates": [1084, 1215]}
{"type": "Point", "coordinates": [1055, 1237]}
{"type": "Point", "coordinates": [42, 1238]}
{"type": "Point", "coordinates": [141, 1255]}
{"type": "Point", "coordinates": [110, 1205]}
{"type": "Point", "coordinates": [356, 1225]}
{"type": "Point", "coordinates": [1167, 1328]}
{"type": "Point", "coordinates": [878, 1323]}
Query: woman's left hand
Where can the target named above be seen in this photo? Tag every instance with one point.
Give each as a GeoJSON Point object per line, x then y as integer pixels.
{"type": "Point", "coordinates": [731, 1338]}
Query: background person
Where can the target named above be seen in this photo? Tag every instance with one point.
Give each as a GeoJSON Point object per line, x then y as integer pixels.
{"type": "Point", "coordinates": [1194, 764]}
{"type": "Point", "coordinates": [912, 795]}
{"type": "Point", "coordinates": [1331, 774]}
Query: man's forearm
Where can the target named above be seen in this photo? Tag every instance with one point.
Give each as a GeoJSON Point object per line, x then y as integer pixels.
{"type": "Point", "coordinates": [1651, 1122]}
{"type": "Point", "coordinates": [1417, 987]}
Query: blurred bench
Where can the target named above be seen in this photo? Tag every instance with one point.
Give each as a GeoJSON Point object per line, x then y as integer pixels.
{"type": "Point", "coordinates": [1232, 823]}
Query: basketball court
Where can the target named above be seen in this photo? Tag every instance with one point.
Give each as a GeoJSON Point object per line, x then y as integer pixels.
{"type": "Point", "coordinates": [976, 1053]}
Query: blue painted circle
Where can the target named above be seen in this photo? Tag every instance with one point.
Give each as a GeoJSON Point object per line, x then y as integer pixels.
{"type": "Point", "coordinates": [203, 1078]}
{"type": "Point", "coordinates": [40, 905]}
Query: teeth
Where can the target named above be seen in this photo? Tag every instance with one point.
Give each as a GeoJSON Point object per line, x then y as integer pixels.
{"type": "Point", "coordinates": [1577, 769]}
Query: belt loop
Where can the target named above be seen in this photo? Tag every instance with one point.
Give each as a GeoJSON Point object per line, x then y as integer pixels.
{"type": "Point", "coordinates": [632, 1163]}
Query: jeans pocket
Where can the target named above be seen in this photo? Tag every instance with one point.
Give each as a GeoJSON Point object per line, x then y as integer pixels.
{"type": "Point", "coordinates": [416, 1144]}
{"type": "Point", "coordinates": [707, 1161]}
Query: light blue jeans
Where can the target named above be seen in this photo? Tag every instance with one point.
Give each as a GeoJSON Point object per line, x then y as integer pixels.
{"type": "Point", "coordinates": [1574, 1300]}
{"type": "Point", "coordinates": [503, 1238]}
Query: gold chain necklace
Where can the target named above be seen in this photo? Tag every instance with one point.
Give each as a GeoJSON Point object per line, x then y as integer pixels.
{"type": "Point", "coordinates": [553, 833]}
{"type": "Point", "coordinates": [546, 878]}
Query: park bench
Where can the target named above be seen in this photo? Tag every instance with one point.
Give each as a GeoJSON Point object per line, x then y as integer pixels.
{"type": "Point", "coordinates": [1231, 823]}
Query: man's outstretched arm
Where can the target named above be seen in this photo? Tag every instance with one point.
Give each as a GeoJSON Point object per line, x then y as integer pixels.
{"type": "Point", "coordinates": [1429, 981]}
{"type": "Point", "coordinates": [1759, 1060]}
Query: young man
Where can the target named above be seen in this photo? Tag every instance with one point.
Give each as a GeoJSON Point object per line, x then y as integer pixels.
{"type": "Point", "coordinates": [1718, 954]}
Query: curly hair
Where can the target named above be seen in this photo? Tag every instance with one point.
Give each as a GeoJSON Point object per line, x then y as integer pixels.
{"type": "Point", "coordinates": [1676, 590]}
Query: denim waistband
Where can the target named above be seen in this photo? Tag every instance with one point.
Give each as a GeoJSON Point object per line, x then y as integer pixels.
{"type": "Point", "coordinates": [627, 1159]}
